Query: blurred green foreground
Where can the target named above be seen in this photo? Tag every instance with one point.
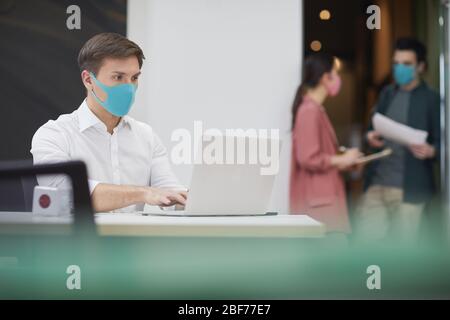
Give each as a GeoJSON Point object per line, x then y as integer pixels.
{"type": "Point", "coordinates": [217, 268]}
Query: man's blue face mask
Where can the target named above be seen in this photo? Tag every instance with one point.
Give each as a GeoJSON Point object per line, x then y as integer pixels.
{"type": "Point", "coordinates": [119, 99]}
{"type": "Point", "coordinates": [403, 74]}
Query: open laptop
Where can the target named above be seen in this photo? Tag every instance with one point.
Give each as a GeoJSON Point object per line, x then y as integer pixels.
{"type": "Point", "coordinates": [228, 189]}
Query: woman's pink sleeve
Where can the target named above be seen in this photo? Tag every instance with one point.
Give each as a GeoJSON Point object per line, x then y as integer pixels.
{"type": "Point", "coordinates": [309, 153]}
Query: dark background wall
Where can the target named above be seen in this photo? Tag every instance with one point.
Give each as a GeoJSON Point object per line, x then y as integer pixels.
{"type": "Point", "coordinates": [39, 75]}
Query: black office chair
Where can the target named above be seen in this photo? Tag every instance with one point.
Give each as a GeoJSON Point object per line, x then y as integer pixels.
{"type": "Point", "coordinates": [37, 250]}
{"type": "Point", "coordinates": [12, 195]}
{"type": "Point", "coordinates": [16, 194]}
{"type": "Point", "coordinates": [18, 179]}
{"type": "Point", "coordinates": [28, 184]}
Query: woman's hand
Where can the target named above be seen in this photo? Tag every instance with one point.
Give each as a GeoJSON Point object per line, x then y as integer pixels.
{"type": "Point", "coordinates": [347, 160]}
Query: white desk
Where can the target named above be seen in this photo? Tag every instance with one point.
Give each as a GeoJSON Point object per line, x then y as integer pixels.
{"type": "Point", "coordinates": [131, 224]}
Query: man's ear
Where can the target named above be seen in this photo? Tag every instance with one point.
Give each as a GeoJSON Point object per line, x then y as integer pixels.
{"type": "Point", "coordinates": [421, 67]}
{"type": "Point", "coordinates": [87, 79]}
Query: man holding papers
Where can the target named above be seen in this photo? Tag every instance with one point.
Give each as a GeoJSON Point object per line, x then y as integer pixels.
{"type": "Point", "coordinates": [407, 121]}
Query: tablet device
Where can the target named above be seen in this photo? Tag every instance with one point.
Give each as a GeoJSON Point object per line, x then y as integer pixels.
{"type": "Point", "coordinates": [375, 156]}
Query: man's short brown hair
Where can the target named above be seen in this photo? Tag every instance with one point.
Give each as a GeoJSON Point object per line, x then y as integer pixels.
{"type": "Point", "coordinates": [107, 45]}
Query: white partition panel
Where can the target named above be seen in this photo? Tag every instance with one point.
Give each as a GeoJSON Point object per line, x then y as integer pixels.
{"type": "Point", "coordinates": [230, 64]}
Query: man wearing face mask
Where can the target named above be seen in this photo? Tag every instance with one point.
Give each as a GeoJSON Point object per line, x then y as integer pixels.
{"type": "Point", "coordinates": [126, 161]}
{"type": "Point", "coordinates": [398, 187]}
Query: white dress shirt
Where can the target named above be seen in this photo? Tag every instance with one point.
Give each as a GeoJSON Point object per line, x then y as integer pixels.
{"type": "Point", "coordinates": [132, 155]}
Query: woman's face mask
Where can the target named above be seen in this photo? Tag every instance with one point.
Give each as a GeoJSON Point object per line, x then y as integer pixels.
{"type": "Point", "coordinates": [119, 99]}
{"type": "Point", "coordinates": [334, 86]}
{"type": "Point", "coordinates": [403, 74]}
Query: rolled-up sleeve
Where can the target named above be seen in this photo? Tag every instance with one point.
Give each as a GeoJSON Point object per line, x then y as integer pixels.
{"type": "Point", "coordinates": [308, 150]}
{"type": "Point", "coordinates": [162, 175]}
{"type": "Point", "coordinates": [49, 145]}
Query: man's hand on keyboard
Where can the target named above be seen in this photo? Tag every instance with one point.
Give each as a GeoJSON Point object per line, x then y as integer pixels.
{"type": "Point", "coordinates": [165, 197]}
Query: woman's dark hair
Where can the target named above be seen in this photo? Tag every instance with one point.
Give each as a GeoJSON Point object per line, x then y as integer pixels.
{"type": "Point", "coordinates": [314, 67]}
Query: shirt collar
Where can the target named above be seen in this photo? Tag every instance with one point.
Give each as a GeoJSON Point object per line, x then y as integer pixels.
{"type": "Point", "coordinates": [125, 121]}
{"type": "Point", "coordinates": [87, 119]}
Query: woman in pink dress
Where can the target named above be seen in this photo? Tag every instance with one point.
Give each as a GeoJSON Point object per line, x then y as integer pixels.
{"type": "Point", "coordinates": [316, 185]}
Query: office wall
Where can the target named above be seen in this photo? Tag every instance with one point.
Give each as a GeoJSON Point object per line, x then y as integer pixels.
{"type": "Point", "coordinates": [231, 64]}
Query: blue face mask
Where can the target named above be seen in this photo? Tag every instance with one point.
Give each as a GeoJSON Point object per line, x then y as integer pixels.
{"type": "Point", "coordinates": [119, 99]}
{"type": "Point", "coordinates": [403, 74]}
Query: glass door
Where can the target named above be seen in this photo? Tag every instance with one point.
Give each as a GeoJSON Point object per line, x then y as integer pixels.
{"type": "Point", "coordinates": [444, 70]}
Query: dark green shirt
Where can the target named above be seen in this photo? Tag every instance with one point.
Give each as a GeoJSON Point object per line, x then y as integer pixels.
{"type": "Point", "coordinates": [423, 114]}
{"type": "Point", "coordinates": [391, 169]}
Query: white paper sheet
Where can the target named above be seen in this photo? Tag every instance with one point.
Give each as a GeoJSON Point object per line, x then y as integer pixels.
{"type": "Point", "coordinates": [398, 132]}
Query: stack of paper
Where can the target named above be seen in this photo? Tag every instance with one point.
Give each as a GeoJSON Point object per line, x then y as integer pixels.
{"type": "Point", "coordinates": [398, 132]}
